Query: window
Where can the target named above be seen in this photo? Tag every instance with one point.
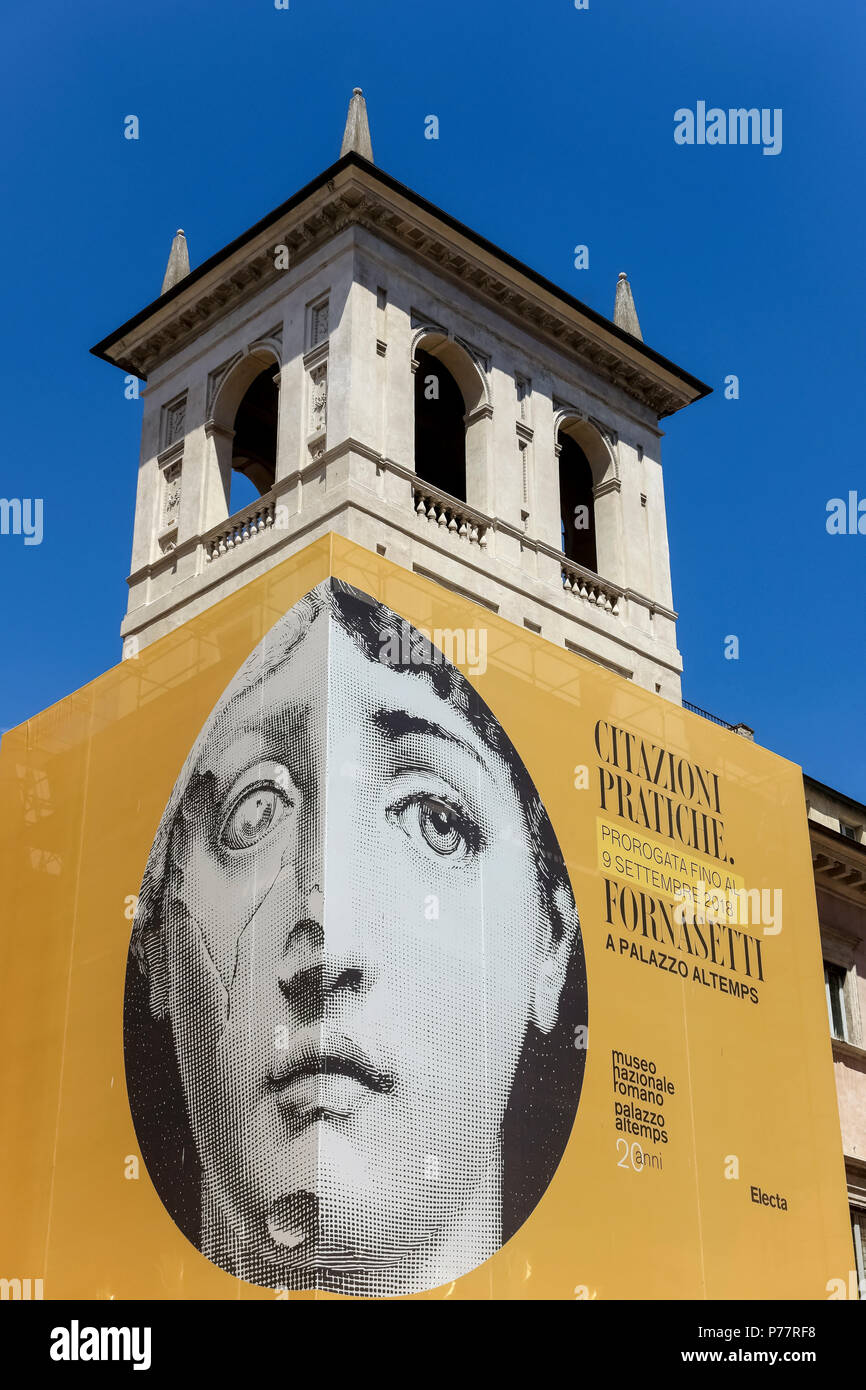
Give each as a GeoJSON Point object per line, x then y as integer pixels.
{"type": "Point", "coordinates": [849, 831]}
{"type": "Point", "coordinates": [576, 505]}
{"type": "Point", "coordinates": [440, 428]}
{"type": "Point", "coordinates": [834, 987]}
{"type": "Point", "coordinates": [858, 1230]}
{"type": "Point", "coordinates": [254, 451]}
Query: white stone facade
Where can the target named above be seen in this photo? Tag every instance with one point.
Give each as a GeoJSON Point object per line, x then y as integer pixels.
{"type": "Point", "coordinates": [341, 327]}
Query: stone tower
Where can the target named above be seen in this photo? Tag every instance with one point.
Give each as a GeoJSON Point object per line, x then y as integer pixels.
{"type": "Point", "coordinates": [360, 362]}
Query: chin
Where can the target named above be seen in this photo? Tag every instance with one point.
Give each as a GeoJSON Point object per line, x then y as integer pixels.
{"type": "Point", "coordinates": [306, 1242]}
{"type": "Point", "coordinates": [332, 1266]}
{"type": "Point", "coordinates": [352, 1275]}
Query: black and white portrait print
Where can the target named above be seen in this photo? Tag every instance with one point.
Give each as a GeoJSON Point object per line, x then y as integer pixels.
{"type": "Point", "coordinates": [356, 988]}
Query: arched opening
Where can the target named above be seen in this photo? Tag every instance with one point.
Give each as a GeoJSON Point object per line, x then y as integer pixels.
{"type": "Point", "coordinates": [576, 504]}
{"type": "Point", "coordinates": [254, 448]}
{"type": "Point", "coordinates": [440, 428]}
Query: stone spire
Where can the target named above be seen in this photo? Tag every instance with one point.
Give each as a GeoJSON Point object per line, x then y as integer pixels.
{"type": "Point", "coordinates": [357, 134]}
{"type": "Point", "coordinates": [178, 262]}
{"type": "Point", "coordinates": [624, 312]}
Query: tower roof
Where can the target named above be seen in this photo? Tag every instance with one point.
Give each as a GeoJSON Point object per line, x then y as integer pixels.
{"type": "Point", "coordinates": [354, 192]}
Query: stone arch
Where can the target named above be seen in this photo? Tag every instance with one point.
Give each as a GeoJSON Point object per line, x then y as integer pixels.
{"type": "Point", "coordinates": [232, 381]}
{"type": "Point", "coordinates": [593, 440]}
{"type": "Point", "coordinates": [464, 392]}
{"type": "Point", "coordinates": [464, 368]}
{"type": "Point", "coordinates": [244, 423]}
{"type": "Point", "coordinates": [590, 518]}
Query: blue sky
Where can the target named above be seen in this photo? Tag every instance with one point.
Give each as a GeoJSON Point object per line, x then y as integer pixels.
{"type": "Point", "coordinates": [556, 128]}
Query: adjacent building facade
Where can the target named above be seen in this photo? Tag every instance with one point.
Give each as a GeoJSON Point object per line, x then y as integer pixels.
{"type": "Point", "coordinates": [837, 828]}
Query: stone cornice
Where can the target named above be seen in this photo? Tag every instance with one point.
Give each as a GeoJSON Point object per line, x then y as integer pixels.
{"type": "Point", "coordinates": [354, 193]}
{"type": "Point", "coordinates": [171, 454]}
{"type": "Point", "coordinates": [849, 1051]}
{"type": "Point", "coordinates": [607, 485]}
{"type": "Point", "coordinates": [839, 864]}
{"type": "Point", "coordinates": [652, 604]}
{"type": "Point", "coordinates": [813, 785]}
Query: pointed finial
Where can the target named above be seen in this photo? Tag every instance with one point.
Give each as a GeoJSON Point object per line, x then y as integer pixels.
{"type": "Point", "coordinates": [178, 261]}
{"type": "Point", "coordinates": [357, 133]}
{"type": "Point", "coordinates": [624, 312]}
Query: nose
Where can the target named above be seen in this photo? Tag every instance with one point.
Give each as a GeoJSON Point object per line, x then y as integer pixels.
{"type": "Point", "coordinates": [322, 970]}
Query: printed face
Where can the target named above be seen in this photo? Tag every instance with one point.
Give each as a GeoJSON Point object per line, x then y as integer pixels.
{"type": "Point", "coordinates": [356, 946]}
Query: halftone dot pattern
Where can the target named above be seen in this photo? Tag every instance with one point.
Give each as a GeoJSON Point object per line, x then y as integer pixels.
{"type": "Point", "coordinates": [355, 970]}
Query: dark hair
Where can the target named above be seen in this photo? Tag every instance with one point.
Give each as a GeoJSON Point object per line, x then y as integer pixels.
{"type": "Point", "coordinates": [546, 1090]}
{"type": "Point", "coordinates": [370, 624]}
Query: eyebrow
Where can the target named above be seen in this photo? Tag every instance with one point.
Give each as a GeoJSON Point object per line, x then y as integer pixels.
{"type": "Point", "coordinates": [285, 724]}
{"type": "Point", "coordinates": [397, 723]}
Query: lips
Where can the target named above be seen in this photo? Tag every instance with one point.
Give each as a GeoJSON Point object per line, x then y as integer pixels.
{"type": "Point", "coordinates": [327, 1076]}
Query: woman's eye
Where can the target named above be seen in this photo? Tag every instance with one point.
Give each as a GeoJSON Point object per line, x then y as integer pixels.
{"type": "Point", "coordinates": [447, 832]}
{"type": "Point", "coordinates": [253, 815]}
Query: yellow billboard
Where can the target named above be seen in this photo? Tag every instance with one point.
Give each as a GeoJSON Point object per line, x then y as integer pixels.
{"type": "Point", "coordinates": [361, 944]}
